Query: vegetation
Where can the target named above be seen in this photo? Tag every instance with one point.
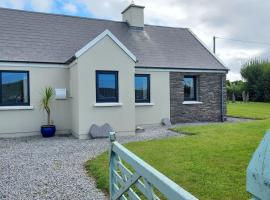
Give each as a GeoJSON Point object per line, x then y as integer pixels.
{"type": "Point", "coordinates": [251, 110]}
{"type": "Point", "coordinates": [211, 163]}
{"type": "Point", "coordinates": [47, 96]}
{"type": "Point", "coordinates": [256, 73]}
{"type": "Point", "coordinates": [236, 91]}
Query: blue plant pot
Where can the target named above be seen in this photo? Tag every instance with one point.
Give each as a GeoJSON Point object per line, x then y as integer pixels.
{"type": "Point", "coordinates": [48, 131]}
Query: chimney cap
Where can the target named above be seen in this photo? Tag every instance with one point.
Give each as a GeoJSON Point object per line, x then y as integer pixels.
{"type": "Point", "coordinates": [132, 5]}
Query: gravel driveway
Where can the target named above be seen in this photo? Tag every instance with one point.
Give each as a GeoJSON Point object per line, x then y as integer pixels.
{"type": "Point", "coordinates": [39, 168]}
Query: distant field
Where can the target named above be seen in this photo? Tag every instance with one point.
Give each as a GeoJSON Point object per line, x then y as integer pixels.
{"type": "Point", "coordinates": [252, 110]}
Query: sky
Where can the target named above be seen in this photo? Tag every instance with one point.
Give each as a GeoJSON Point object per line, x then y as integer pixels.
{"type": "Point", "coordinates": [246, 20]}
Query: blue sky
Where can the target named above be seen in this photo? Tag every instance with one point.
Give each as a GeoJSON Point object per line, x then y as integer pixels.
{"type": "Point", "coordinates": [238, 19]}
{"type": "Point", "coordinates": [57, 6]}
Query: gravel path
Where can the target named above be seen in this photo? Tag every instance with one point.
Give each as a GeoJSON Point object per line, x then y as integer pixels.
{"type": "Point", "coordinates": [39, 168]}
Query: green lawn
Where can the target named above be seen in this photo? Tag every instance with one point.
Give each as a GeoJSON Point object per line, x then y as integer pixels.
{"type": "Point", "coordinates": [211, 163]}
{"type": "Point", "coordinates": [253, 110]}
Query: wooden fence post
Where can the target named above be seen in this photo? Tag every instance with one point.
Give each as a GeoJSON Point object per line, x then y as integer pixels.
{"type": "Point", "coordinates": [112, 164]}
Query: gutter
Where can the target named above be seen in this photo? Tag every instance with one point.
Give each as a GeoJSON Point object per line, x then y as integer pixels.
{"type": "Point", "coordinates": [183, 69]}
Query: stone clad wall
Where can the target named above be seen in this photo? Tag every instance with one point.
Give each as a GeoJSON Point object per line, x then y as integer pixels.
{"type": "Point", "coordinates": [208, 92]}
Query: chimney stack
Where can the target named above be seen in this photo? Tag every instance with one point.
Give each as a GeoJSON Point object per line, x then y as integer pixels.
{"type": "Point", "coordinates": [134, 16]}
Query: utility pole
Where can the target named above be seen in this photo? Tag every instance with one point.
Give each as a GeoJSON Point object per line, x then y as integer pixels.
{"type": "Point", "coordinates": [214, 44]}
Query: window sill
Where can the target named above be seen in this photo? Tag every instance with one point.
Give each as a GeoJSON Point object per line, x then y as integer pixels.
{"type": "Point", "coordinates": [144, 104]}
{"type": "Point", "coordinates": [16, 108]}
{"type": "Point", "coordinates": [107, 104]}
{"type": "Point", "coordinates": [192, 102]}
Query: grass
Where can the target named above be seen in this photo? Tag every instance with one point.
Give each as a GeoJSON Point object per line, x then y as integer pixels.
{"type": "Point", "coordinates": [211, 163]}
{"type": "Point", "coordinates": [252, 110]}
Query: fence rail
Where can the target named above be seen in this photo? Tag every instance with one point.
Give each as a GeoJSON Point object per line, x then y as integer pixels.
{"type": "Point", "coordinates": [137, 179]}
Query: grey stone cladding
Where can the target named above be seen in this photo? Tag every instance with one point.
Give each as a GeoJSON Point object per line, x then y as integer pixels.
{"type": "Point", "coordinates": [209, 88]}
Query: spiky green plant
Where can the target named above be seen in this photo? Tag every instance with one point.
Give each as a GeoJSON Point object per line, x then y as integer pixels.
{"type": "Point", "coordinates": [47, 96]}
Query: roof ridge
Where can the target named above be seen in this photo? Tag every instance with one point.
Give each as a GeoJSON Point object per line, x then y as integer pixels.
{"type": "Point", "coordinates": [81, 17]}
{"type": "Point", "coordinates": [174, 27]}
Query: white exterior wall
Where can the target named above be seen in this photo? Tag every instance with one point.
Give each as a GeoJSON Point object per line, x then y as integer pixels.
{"type": "Point", "coordinates": [159, 97]}
{"type": "Point", "coordinates": [16, 123]}
{"type": "Point", "coordinates": [105, 55]}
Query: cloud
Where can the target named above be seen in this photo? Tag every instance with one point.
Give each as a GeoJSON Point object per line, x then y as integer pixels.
{"type": "Point", "coordinates": [16, 4]}
{"type": "Point", "coordinates": [232, 76]}
{"type": "Point", "coordinates": [41, 6]}
{"type": "Point", "coordinates": [105, 9]}
{"type": "Point", "coordinates": [36, 5]}
{"type": "Point", "coordinates": [71, 8]}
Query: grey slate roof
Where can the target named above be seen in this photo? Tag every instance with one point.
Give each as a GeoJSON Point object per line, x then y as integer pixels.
{"type": "Point", "coordinates": [49, 38]}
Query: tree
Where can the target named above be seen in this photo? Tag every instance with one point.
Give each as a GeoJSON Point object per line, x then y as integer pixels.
{"type": "Point", "coordinates": [256, 73]}
{"type": "Point", "coordinates": [235, 90]}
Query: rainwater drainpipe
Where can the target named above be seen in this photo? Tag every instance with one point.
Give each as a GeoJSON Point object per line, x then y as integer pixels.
{"type": "Point", "coordinates": [222, 99]}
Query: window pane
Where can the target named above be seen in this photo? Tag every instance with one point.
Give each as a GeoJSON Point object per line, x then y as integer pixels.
{"type": "Point", "coordinates": [14, 88]}
{"type": "Point", "coordinates": [142, 88]}
{"type": "Point", "coordinates": [107, 87]}
{"type": "Point", "coordinates": [189, 88]}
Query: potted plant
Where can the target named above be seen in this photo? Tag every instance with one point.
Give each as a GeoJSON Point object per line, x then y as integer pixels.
{"type": "Point", "coordinates": [47, 96]}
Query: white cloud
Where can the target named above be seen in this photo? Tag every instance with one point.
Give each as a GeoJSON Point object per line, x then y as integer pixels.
{"type": "Point", "coordinates": [232, 76]}
{"type": "Point", "coordinates": [16, 4]}
{"type": "Point", "coordinates": [36, 5]}
{"type": "Point", "coordinates": [69, 7]}
{"type": "Point", "coordinates": [42, 5]}
{"type": "Point", "coordinates": [163, 12]}
{"type": "Point", "coordinates": [239, 53]}
{"type": "Point", "coordinates": [106, 9]}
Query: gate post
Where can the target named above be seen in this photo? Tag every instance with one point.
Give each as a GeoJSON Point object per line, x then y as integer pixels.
{"type": "Point", "coordinates": [258, 171]}
{"type": "Point", "coordinates": [112, 164]}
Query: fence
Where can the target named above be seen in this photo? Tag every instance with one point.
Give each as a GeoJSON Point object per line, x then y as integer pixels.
{"type": "Point", "coordinates": [135, 179]}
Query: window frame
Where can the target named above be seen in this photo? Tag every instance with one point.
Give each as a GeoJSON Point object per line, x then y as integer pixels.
{"type": "Point", "coordinates": [195, 79]}
{"type": "Point", "coordinates": [28, 88]}
{"type": "Point", "coordinates": [111, 100]}
{"type": "Point", "coordinates": [148, 100]}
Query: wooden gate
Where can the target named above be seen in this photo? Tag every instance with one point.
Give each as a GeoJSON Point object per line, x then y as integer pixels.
{"type": "Point", "coordinates": [132, 178]}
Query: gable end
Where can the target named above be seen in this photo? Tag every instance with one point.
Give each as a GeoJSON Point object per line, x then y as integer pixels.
{"type": "Point", "coordinates": [100, 37]}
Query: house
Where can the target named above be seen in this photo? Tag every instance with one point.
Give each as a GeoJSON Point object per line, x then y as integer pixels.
{"type": "Point", "coordinates": [124, 73]}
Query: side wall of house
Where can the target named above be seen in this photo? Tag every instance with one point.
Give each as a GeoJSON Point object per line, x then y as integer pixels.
{"type": "Point", "coordinates": [27, 122]}
{"type": "Point", "coordinates": [106, 55]}
{"type": "Point", "coordinates": [74, 99]}
{"type": "Point", "coordinates": [159, 106]}
{"type": "Point", "coordinates": [209, 88]}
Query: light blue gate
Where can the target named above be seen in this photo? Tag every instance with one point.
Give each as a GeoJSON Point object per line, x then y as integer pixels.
{"type": "Point", "coordinates": [139, 180]}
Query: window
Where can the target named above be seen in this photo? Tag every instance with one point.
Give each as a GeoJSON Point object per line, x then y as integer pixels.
{"type": "Point", "coordinates": [106, 86]}
{"type": "Point", "coordinates": [14, 89]}
{"type": "Point", "coordinates": [190, 88]}
{"type": "Point", "coordinates": [142, 88]}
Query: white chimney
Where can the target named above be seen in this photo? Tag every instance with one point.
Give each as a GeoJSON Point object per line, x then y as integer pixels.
{"type": "Point", "coordinates": [134, 16]}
